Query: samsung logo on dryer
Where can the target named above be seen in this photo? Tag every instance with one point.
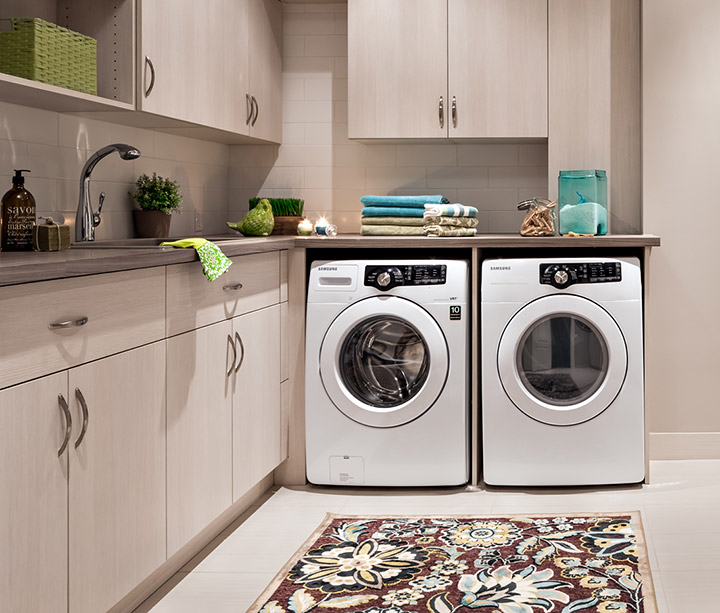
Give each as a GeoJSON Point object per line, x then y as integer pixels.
{"type": "Point", "coordinates": [500, 268]}
{"type": "Point", "coordinates": [327, 267]}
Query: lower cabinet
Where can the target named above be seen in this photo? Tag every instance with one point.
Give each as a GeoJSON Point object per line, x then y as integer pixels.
{"type": "Point", "coordinates": [33, 491]}
{"type": "Point", "coordinates": [117, 476]}
{"type": "Point", "coordinates": [257, 444]}
{"type": "Point", "coordinates": [199, 430]}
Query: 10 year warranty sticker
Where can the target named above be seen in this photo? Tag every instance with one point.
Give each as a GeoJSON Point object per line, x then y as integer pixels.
{"type": "Point", "coordinates": [455, 312]}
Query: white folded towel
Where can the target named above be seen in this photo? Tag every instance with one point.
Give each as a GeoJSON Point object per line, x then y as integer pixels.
{"type": "Point", "coordinates": [449, 210]}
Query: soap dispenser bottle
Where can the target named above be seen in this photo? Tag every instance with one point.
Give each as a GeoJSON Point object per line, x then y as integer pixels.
{"type": "Point", "coordinates": [17, 216]}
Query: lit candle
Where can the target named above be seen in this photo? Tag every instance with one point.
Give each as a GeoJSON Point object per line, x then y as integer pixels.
{"type": "Point", "coordinates": [321, 225]}
{"type": "Point", "coordinates": [305, 227]}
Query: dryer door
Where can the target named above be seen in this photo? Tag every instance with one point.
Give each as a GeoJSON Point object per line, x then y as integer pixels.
{"type": "Point", "coordinates": [562, 360]}
{"type": "Point", "coordinates": [384, 361]}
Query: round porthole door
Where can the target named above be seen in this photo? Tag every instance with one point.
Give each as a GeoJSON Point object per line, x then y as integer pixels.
{"type": "Point", "coordinates": [562, 360]}
{"type": "Point", "coordinates": [384, 361]}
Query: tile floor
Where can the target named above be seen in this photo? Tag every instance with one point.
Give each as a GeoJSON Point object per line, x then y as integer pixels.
{"type": "Point", "coordinates": [680, 510]}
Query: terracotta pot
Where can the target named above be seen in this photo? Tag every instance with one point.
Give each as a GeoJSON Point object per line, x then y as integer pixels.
{"type": "Point", "coordinates": [152, 224]}
{"type": "Point", "coordinates": [286, 224]}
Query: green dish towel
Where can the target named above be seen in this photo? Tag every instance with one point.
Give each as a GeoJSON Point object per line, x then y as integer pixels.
{"type": "Point", "coordinates": [392, 221]}
{"type": "Point", "coordinates": [214, 261]}
{"type": "Point", "coordinates": [392, 230]}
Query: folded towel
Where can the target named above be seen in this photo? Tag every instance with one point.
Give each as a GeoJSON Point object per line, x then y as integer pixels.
{"type": "Point", "coordinates": [459, 222]}
{"type": "Point", "coordinates": [391, 211]}
{"type": "Point", "coordinates": [454, 210]}
{"type": "Point", "coordinates": [214, 261]}
{"type": "Point", "coordinates": [392, 230]}
{"type": "Point", "coordinates": [409, 201]}
{"type": "Point", "coordinates": [436, 230]}
{"type": "Point", "coordinates": [393, 221]}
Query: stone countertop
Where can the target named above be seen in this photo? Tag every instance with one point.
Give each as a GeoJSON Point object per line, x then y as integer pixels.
{"type": "Point", "coordinates": [111, 256]}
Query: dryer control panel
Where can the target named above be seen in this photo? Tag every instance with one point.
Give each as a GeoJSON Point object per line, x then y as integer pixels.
{"type": "Point", "coordinates": [564, 275]}
{"type": "Point", "coordinates": [387, 277]}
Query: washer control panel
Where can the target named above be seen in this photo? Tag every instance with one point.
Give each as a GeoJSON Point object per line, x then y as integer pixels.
{"type": "Point", "coordinates": [564, 275]}
{"type": "Point", "coordinates": [386, 277]}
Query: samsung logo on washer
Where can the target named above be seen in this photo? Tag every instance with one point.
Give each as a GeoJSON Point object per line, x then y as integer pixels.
{"type": "Point", "coordinates": [500, 268]}
{"type": "Point", "coordinates": [327, 267]}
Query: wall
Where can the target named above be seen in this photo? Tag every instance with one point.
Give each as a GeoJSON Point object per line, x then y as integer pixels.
{"type": "Point", "coordinates": [55, 147]}
{"type": "Point", "coordinates": [681, 98]}
{"type": "Point", "coordinates": [318, 163]}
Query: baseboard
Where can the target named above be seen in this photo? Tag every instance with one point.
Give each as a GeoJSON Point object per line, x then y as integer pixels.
{"type": "Point", "coordinates": [684, 446]}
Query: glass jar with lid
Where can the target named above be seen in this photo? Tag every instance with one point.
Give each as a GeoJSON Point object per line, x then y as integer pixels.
{"type": "Point", "coordinates": [582, 202]}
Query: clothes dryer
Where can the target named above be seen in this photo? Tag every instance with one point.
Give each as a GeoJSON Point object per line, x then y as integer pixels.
{"type": "Point", "coordinates": [386, 395]}
{"type": "Point", "coordinates": [562, 371]}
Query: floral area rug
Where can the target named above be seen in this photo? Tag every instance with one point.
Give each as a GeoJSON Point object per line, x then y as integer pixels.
{"type": "Point", "coordinates": [508, 564]}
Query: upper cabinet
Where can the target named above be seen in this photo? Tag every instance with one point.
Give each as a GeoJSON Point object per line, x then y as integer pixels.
{"type": "Point", "coordinates": [447, 68]}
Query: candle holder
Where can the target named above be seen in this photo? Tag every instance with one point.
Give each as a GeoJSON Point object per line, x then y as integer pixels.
{"type": "Point", "coordinates": [305, 227]}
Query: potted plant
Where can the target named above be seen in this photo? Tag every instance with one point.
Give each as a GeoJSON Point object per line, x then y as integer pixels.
{"type": "Point", "coordinates": [286, 211]}
{"type": "Point", "coordinates": [156, 198]}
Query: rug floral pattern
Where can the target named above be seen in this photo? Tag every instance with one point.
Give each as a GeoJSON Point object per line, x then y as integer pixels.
{"type": "Point", "coordinates": [453, 564]}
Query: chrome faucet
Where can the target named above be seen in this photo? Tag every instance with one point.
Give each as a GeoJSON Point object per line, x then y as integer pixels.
{"type": "Point", "coordinates": [85, 220]}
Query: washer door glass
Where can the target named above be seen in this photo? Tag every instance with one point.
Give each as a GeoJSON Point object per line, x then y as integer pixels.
{"type": "Point", "coordinates": [562, 359]}
{"type": "Point", "coordinates": [384, 361]}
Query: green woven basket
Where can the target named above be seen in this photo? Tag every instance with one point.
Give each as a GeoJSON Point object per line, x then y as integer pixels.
{"type": "Point", "coordinates": [45, 52]}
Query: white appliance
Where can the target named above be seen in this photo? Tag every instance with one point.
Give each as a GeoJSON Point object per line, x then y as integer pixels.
{"type": "Point", "coordinates": [386, 396]}
{"type": "Point", "coordinates": [562, 371]}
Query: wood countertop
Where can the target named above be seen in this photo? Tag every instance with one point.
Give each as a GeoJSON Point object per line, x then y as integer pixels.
{"type": "Point", "coordinates": [112, 256]}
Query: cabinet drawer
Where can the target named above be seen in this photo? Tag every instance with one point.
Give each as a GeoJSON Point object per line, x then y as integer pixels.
{"type": "Point", "coordinates": [251, 283]}
{"type": "Point", "coordinates": [102, 315]}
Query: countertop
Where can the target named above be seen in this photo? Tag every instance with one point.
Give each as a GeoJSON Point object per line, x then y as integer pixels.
{"type": "Point", "coordinates": [111, 256]}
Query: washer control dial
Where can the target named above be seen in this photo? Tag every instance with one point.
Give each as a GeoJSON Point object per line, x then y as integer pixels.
{"type": "Point", "coordinates": [560, 278]}
{"type": "Point", "coordinates": [383, 279]}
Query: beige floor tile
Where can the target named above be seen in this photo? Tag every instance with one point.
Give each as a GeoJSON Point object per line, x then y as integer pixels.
{"type": "Point", "coordinates": [691, 591]}
{"type": "Point", "coordinates": [685, 552]}
{"type": "Point", "coordinates": [682, 518]}
{"type": "Point", "coordinates": [213, 593]}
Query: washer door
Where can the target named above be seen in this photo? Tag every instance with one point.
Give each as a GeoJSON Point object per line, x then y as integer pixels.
{"type": "Point", "coordinates": [384, 361]}
{"type": "Point", "coordinates": [562, 360]}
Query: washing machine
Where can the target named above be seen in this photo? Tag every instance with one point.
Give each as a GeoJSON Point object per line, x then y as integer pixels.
{"type": "Point", "coordinates": [386, 394]}
{"type": "Point", "coordinates": [562, 371]}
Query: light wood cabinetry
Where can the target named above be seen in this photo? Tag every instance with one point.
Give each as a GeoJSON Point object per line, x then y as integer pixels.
{"type": "Point", "coordinates": [117, 477]}
{"type": "Point", "coordinates": [257, 444]}
{"type": "Point", "coordinates": [34, 493]}
{"type": "Point", "coordinates": [447, 68]}
{"type": "Point", "coordinates": [595, 106]}
{"type": "Point", "coordinates": [199, 430]}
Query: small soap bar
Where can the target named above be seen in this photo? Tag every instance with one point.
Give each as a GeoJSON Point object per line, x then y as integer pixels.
{"type": "Point", "coordinates": [51, 236]}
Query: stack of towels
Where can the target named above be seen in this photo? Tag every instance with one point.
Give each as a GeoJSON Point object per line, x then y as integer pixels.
{"type": "Point", "coordinates": [416, 216]}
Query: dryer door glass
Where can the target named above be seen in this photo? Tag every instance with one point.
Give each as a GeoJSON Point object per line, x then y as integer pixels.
{"type": "Point", "coordinates": [562, 359]}
{"type": "Point", "coordinates": [384, 361]}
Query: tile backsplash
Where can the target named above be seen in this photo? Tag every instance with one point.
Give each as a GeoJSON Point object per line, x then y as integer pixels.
{"type": "Point", "coordinates": [55, 147]}
{"type": "Point", "coordinates": [317, 162]}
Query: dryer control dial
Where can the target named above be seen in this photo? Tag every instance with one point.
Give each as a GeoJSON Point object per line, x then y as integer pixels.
{"type": "Point", "coordinates": [387, 277]}
{"type": "Point", "coordinates": [560, 277]}
{"type": "Point", "coordinates": [383, 279]}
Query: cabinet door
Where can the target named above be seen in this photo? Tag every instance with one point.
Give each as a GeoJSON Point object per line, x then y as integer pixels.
{"type": "Point", "coordinates": [199, 430]}
{"type": "Point", "coordinates": [33, 490]}
{"type": "Point", "coordinates": [257, 448]}
{"type": "Point", "coordinates": [265, 68]}
{"type": "Point", "coordinates": [397, 68]}
{"type": "Point", "coordinates": [191, 48]}
{"type": "Point", "coordinates": [497, 68]}
{"type": "Point", "coordinates": [117, 483]}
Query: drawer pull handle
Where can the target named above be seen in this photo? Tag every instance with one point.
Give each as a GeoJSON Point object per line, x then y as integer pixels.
{"type": "Point", "coordinates": [233, 287]}
{"type": "Point", "coordinates": [83, 406]}
{"type": "Point", "coordinates": [68, 423]}
{"type": "Point", "coordinates": [230, 341]}
{"type": "Point", "coordinates": [242, 352]}
{"type": "Point", "coordinates": [72, 323]}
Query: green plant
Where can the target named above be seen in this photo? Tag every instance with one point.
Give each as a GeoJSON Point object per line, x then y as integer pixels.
{"type": "Point", "coordinates": [157, 194]}
{"type": "Point", "coordinates": [283, 207]}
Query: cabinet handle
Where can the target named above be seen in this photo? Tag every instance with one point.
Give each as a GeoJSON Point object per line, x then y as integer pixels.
{"type": "Point", "coordinates": [71, 323]}
{"type": "Point", "coordinates": [441, 113]}
{"type": "Point", "coordinates": [257, 110]}
{"type": "Point", "coordinates": [242, 352]}
{"type": "Point", "coordinates": [149, 64]}
{"type": "Point", "coordinates": [68, 423]}
{"type": "Point", "coordinates": [83, 406]}
{"type": "Point", "coordinates": [249, 109]}
{"type": "Point", "coordinates": [232, 344]}
{"type": "Point", "coordinates": [232, 287]}
{"type": "Point", "coordinates": [454, 112]}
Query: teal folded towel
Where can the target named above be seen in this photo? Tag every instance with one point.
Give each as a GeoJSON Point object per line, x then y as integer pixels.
{"type": "Point", "coordinates": [392, 211]}
{"type": "Point", "coordinates": [404, 201]}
